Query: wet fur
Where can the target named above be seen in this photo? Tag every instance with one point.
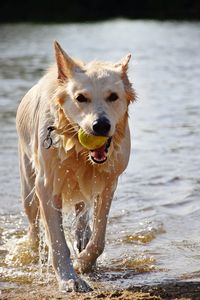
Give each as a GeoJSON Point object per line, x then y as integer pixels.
{"type": "Point", "coordinates": [64, 173]}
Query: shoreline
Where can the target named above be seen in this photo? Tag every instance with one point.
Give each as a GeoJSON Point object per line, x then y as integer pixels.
{"type": "Point", "coordinates": [189, 290]}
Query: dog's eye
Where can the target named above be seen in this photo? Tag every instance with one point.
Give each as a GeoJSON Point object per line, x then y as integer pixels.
{"type": "Point", "coordinates": [81, 98]}
{"type": "Point", "coordinates": [112, 97]}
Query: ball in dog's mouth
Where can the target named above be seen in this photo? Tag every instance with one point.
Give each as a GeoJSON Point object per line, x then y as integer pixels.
{"type": "Point", "coordinates": [99, 156]}
{"type": "Point", "coordinates": [90, 141]}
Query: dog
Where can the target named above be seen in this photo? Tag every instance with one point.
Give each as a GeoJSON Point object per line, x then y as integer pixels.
{"type": "Point", "coordinates": [56, 169]}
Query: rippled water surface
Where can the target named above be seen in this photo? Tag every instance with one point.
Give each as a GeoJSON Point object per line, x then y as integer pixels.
{"type": "Point", "coordinates": [153, 230]}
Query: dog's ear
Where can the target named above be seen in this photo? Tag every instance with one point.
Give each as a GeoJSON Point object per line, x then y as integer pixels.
{"type": "Point", "coordinates": [122, 67]}
{"type": "Point", "coordinates": [123, 64]}
{"type": "Point", "coordinates": [66, 65]}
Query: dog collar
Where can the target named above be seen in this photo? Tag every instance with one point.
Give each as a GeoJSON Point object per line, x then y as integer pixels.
{"type": "Point", "coordinates": [47, 143]}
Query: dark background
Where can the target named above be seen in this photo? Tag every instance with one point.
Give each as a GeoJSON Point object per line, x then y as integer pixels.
{"type": "Point", "coordinates": [88, 10]}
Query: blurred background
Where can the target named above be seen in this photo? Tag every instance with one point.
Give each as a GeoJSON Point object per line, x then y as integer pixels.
{"type": "Point", "coordinates": [92, 10]}
{"type": "Point", "coordinates": [153, 230]}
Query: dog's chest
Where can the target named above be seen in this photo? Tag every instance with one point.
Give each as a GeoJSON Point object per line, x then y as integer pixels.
{"type": "Point", "coordinates": [78, 181]}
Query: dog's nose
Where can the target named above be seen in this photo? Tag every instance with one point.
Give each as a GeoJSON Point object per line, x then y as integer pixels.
{"type": "Point", "coordinates": [101, 126]}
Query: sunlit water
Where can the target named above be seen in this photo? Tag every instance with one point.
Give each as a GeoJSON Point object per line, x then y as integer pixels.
{"type": "Point", "coordinates": [153, 230]}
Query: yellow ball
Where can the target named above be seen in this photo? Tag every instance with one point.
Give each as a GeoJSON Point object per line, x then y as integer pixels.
{"type": "Point", "coordinates": [91, 142]}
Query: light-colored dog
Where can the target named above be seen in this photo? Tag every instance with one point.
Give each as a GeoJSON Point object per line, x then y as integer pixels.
{"type": "Point", "coordinates": [73, 95]}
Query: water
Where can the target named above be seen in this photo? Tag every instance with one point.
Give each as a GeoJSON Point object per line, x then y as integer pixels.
{"type": "Point", "coordinates": [153, 230]}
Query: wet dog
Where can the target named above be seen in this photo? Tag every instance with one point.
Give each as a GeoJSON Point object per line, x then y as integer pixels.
{"type": "Point", "coordinates": [73, 95]}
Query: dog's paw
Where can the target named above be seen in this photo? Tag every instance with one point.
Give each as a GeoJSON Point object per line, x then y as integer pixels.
{"type": "Point", "coordinates": [75, 285]}
{"type": "Point", "coordinates": [83, 266]}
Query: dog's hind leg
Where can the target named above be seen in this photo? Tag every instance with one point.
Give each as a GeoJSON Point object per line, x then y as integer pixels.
{"type": "Point", "coordinates": [87, 258]}
{"type": "Point", "coordinates": [29, 198]}
{"type": "Point", "coordinates": [82, 230]}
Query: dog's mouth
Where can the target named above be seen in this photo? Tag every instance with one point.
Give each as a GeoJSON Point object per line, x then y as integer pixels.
{"type": "Point", "coordinates": [99, 156]}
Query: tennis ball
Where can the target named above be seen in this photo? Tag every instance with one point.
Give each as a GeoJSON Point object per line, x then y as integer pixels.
{"type": "Point", "coordinates": [91, 142]}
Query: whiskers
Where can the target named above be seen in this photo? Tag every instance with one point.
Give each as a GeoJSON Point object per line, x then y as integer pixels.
{"type": "Point", "coordinates": [86, 155]}
{"type": "Point", "coordinates": [69, 129]}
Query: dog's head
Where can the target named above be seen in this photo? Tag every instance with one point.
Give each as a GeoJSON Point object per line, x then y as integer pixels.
{"type": "Point", "coordinates": [97, 96]}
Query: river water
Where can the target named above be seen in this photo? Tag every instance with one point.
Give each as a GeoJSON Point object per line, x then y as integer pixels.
{"type": "Point", "coordinates": [154, 224]}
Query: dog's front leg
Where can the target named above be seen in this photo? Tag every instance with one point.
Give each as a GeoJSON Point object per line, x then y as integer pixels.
{"type": "Point", "coordinates": [51, 209]}
{"type": "Point", "coordinates": [95, 247]}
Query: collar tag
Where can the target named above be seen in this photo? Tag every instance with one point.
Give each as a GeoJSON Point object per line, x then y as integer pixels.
{"type": "Point", "coordinates": [47, 143]}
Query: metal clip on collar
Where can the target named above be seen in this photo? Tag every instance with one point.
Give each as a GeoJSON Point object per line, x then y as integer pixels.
{"type": "Point", "coordinates": [47, 143]}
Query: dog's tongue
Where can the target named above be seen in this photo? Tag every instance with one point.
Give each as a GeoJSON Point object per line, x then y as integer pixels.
{"type": "Point", "coordinates": [99, 154]}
